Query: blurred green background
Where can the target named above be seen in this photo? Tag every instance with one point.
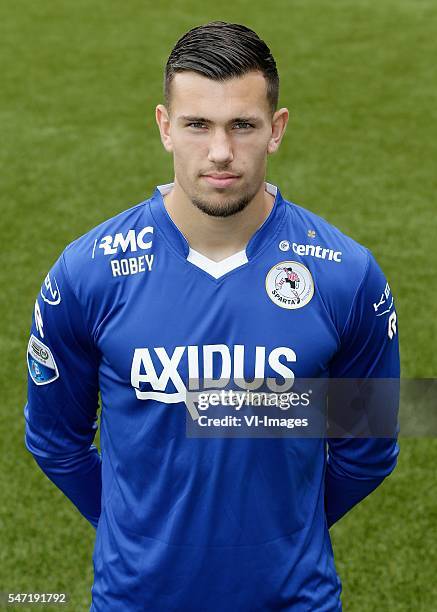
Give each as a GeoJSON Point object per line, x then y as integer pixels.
{"type": "Point", "coordinates": [79, 85]}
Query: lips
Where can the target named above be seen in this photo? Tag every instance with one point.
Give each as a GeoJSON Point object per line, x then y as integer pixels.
{"type": "Point", "coordinates": [221, 175]}
{"type": "Point", "coordinates": [221, 180]}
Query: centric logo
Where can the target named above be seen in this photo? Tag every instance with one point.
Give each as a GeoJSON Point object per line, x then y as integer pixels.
{"type": "Point", "coordinates": [289, 284]}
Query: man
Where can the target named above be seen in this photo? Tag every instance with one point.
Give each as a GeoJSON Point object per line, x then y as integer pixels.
{"type": "Point", "coordinates": [190, 286]}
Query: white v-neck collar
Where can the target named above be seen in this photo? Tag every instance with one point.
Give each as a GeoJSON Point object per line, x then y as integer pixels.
{"type": "Point", "coordinates": [217, 268]}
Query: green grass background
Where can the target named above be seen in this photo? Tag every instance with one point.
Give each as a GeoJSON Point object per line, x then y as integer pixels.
{"type": "Point", "coordinates": [79, 84]}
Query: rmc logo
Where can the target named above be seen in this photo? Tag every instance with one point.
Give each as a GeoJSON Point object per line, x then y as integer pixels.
{"type": "Point", "coordinates": [130, 241]}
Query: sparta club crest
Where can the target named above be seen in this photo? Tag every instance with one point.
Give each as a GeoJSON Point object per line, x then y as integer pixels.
{"type": "Point", "coordinates": [289, 284]}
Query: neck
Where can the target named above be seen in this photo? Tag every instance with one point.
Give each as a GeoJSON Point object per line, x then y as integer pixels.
{"type": "Point", "coordinates": [217, 237]}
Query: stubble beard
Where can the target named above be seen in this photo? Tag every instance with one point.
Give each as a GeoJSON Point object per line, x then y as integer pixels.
{"type": "Point", "coordinates": [225, 208]}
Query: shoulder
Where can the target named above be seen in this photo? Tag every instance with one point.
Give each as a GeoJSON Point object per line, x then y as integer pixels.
{"type": "Point", "coordinates": [87, 260]}
{"type": "Point", "coordinates": [118, 232]}
{"type": "Point", "coordinates": [317, 238]}
{"type": "Point", "coordinates": [340, 265]}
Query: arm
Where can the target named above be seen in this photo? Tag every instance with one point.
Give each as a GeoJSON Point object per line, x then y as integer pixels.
{"type": "Point", "coordinates": [61, 410]}
{"type": "Point", "coordinates": [356, 465]}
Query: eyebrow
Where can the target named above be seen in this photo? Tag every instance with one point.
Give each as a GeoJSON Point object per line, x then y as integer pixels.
{"type": "Point", "coordinates": [236, 120]}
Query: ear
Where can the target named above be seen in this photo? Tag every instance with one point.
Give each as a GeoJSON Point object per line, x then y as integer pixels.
{"type": "Point", "coordinates": [279, 124]}
{"type": "Point", "coordinates": [163, 120]}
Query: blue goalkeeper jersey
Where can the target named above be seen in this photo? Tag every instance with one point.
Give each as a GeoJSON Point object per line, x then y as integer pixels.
{"type": "Point", "coordinates": [213, 523]}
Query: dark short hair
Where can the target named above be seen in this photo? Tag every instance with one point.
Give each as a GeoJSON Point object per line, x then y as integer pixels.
{"type": "Point", "coordinates": [220, 50]}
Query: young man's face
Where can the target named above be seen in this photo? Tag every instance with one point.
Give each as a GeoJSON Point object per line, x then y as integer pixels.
{"type": "Point", "coordinates": [219, 127]}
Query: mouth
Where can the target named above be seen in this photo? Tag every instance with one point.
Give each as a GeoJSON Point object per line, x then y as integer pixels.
{"type": "Point", "coordinates": [216, 180]}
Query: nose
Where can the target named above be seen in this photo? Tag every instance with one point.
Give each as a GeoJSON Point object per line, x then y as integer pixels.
{"type": "Point", "coordinates": [220, 148]}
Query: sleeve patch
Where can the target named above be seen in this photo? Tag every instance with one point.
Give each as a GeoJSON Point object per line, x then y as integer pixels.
{"type": "Point", "coordinates": [40, 362]}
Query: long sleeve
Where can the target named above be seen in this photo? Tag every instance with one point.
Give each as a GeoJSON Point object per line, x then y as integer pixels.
{"type": "Point", "coordinates": [61, 409]}
{"type": "Point", "coordinates": [369, 360]}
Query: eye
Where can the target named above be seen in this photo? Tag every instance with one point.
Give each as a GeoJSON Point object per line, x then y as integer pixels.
{"type": "Point", "coordinates": [195, 123]}
{"type": "Point", "coordinates": [248, 125]}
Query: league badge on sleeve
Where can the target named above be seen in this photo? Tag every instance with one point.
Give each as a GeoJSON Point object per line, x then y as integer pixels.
{"type": "Point", "coordinates": [40, 362]}
{"type": "Point", "coordinates": [289, 284]}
